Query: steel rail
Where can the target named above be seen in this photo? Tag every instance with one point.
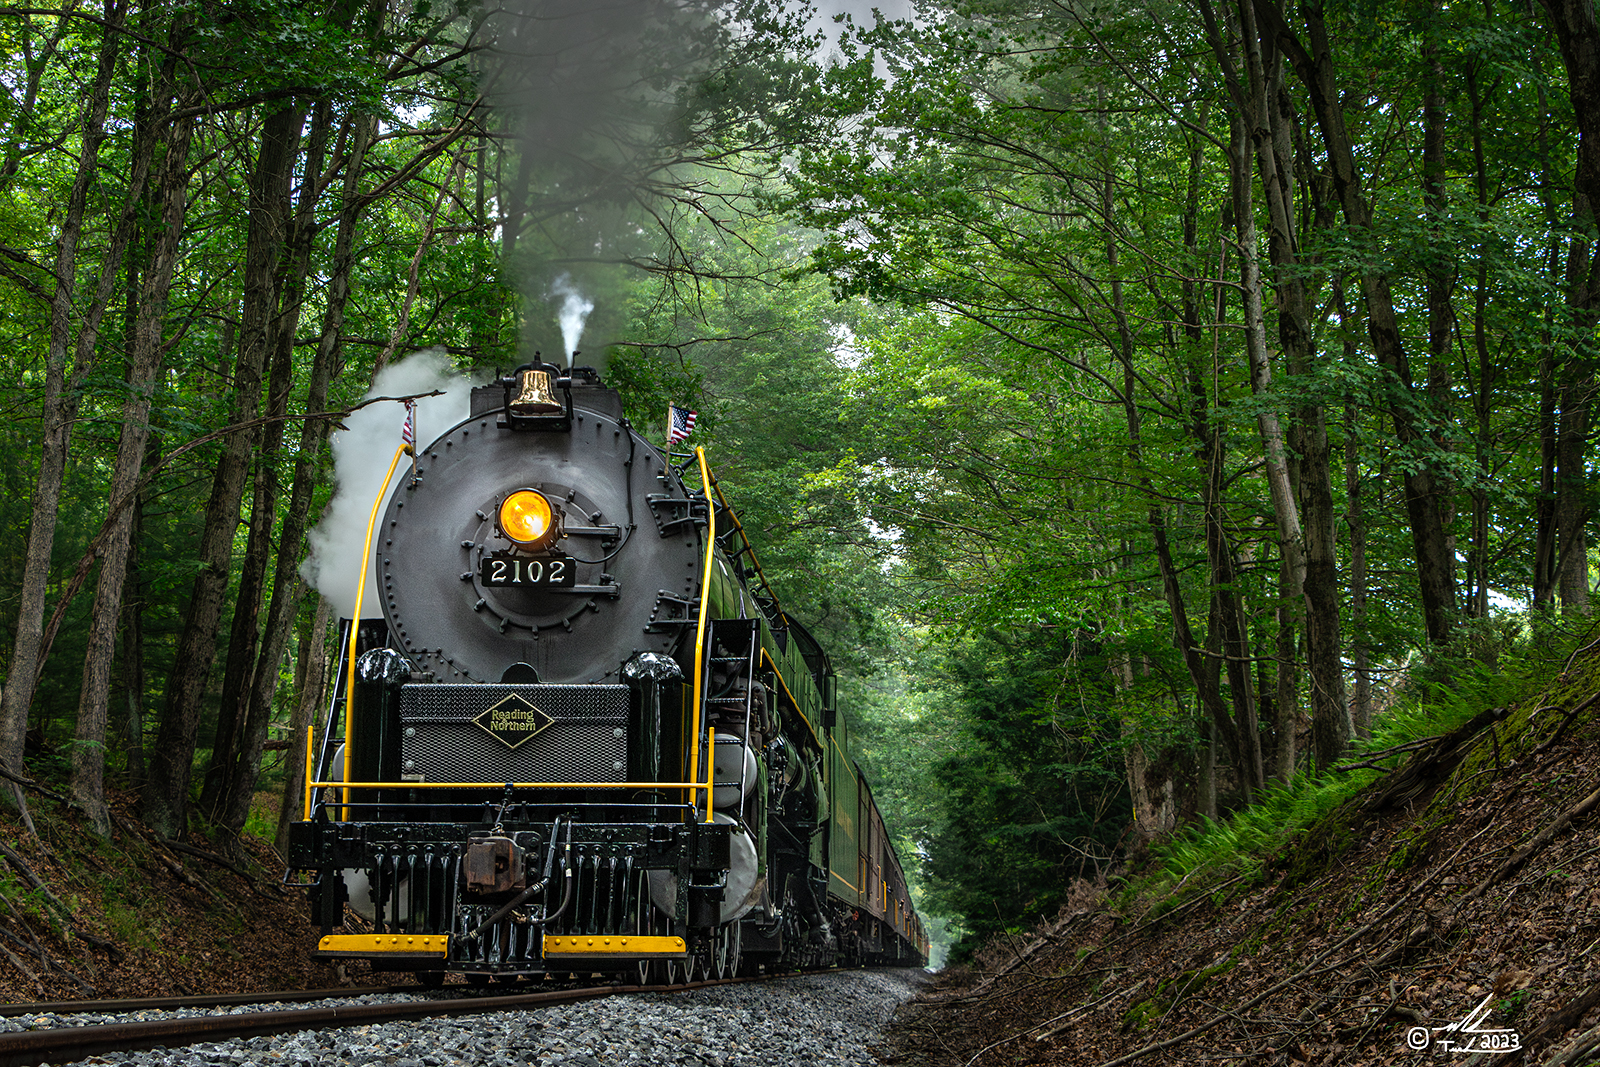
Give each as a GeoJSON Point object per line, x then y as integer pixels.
{"type": "Point", "coordinates": [214, 1000]}
{"type": "Point", "coordinates": [68, 1044]}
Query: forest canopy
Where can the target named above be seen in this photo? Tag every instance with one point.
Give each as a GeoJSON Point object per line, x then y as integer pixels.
{"type": "Point", "coordinates": [1132, 397]}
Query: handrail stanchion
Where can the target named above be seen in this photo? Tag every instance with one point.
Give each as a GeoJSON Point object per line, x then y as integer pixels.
{"type": "Point", "coordinates": [311, 772]}
{"type": "Point", "coordinates": [700, 633]}
{"type": "Point", "coordinates": [355, 629]}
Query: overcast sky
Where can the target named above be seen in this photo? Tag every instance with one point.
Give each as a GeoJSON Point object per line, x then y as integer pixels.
{"type": "Point", "coordinates": [860, 10]}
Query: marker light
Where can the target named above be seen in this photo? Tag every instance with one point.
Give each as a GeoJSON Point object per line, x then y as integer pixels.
{"type": "Point", "coordinates": [526, 518]}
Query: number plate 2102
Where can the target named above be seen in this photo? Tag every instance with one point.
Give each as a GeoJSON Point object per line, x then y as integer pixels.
{"type": "Point", "coordinates": [527, 570]}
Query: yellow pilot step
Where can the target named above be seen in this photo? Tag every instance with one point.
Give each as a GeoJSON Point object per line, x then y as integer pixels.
{"type": "Point", "coordinates": [361, 946]}
{"type": "Point", "coordinates": [633, 946]}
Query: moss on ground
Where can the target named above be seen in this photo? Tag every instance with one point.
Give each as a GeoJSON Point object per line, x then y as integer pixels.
{"type": "Point", "coordinates": [1171, 990]}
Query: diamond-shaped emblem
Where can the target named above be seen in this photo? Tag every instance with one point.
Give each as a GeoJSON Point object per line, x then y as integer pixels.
{"type": "Point", "coordinates": [513, 721]}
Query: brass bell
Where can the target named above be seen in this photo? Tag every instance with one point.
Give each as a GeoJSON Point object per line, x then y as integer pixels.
{"type": "Point", "coordinates": [535, 395]}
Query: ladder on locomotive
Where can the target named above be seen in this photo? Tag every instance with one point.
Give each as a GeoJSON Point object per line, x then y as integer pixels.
{"type": "Point", "coordinates": [736, 650]}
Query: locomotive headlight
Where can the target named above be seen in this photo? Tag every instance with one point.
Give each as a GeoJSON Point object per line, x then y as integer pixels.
{"type": "Point", "coordinates": [527, 519]}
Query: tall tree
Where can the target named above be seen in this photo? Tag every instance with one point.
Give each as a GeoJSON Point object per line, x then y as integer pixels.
{"type": "Point", "coordinates": [165, 799]}
{"type": "Point", "coordinates": [1313, 63]}
{"type": "Point", "coordinates": [1577, 30]}
{"type": "Point", "coordinates": [60, 403]}
{"type": "Point", "coordinates": [169, 196]}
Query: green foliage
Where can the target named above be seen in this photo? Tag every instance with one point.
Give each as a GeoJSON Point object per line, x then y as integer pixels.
{"type": "Point", "coordinates": [1307, 821]}
{"type": "Point", "coordinates": [29, 900]}
{"type": "Point", "coordinates": [1170, 991]}
{"type": "Point", "coordinates": [1033, 796]}
{"type": "Point", "coordinates": [964, 342]}
{"type": "Point", "coordinates": [758, 361]}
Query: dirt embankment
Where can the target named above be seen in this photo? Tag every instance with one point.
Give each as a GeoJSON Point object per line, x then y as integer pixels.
{"type": "Point", "coordinates": [1453, 905]}
{"type": "Point", "coordinates": [136, 917]}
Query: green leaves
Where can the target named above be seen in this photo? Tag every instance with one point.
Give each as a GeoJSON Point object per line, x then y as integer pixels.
{"type": "Point", "coordinates": [255, 48]}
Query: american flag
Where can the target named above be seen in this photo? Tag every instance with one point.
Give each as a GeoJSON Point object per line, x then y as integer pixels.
{"type": "Point", "coordinates": [680, 423]}
{"type": "Point", "coordinates": [407, 430]}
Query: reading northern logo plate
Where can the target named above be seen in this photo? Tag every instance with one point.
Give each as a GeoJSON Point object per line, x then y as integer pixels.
{"type": "Point", "coordinates": [513, 721]}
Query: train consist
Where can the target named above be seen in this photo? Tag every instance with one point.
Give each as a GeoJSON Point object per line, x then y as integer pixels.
{"type": "Point", "coordinates": [586, 736]}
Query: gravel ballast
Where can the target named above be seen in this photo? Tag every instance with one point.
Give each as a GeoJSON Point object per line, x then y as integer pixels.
{"type": "Point", "coordinates": [820, 1019]}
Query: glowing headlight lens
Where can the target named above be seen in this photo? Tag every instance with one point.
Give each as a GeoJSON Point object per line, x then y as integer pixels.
{"type": "Point", "coordinates": [526, 518]}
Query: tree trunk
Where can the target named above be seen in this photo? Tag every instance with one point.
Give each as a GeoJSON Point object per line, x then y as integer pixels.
{"type": "Point", "coordinates": [133, 601]}
{"type": "Point", "coordinates": [310, 684]}
{"type": "Point", "coordinates": [1152, 791]}
{"type": "Point", "coordinates": [1286, 512]}
{"type": "Point", "coordinates": [242, 634]}
{"type": "Point", "coordinates": [1572, 479]}
{"type": "Point", "coordinates": [1233, 631]}
{"type": "Point", "coordinates": [1201, 671]}
{"type": "Point", "coordinates": [1544, 517]}
{"type": "Point", "coordinates": [1229, 632]}
{"type": "Point", "coordinates": [1485, 380]}
{"type": "Point", "coordinates": [239, 779]}
{"type": "Point", "coordinates": [1430, 543]}
{"type": "Point", "coordinates": [1579, 33]}
{"type": "Point", "coordinates": [1356, 522]}
{"type": "Point", "coordinates": [1286, 721]}
{"type": "Point", "coordinates": [1332, 724]}
{"type": "Point", "coordinates": [1441, 272]}
{"type": "Point", "coordinates": [275, 259]}
{"type": "Point", "coordinates": [1544, 545]}
{"type": "Point", "coordinates": [1307, 538]}
{"type": "Point", "coordinates": [165, 800]}
{"type": "Point", "coordinates": [88, 753]}
{"type": "Point", "coordinates": [287, 585]}
{"type": "Point", "coordinates": [60, 408]}
{"type": "Point", "coordinates": [133, 680]}
{"type": "Point", "coordinates": [1206, 799]}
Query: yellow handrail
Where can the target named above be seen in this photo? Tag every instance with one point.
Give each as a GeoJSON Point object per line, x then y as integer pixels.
{"type": "Point", "coordinates": [761, 574]}
{"type": "Point", "coordinates": [515, 785]}
{"type": "Point", "coordinates": [306, 810]}
{"type": "Point", "coordinates": [355, 623]}
{"type": "Point", "coordinates": [700, 641]}
{"type": "Point", "coordinates": [771, 663]}
{"type": "Point", "coordinates": [691, 787]}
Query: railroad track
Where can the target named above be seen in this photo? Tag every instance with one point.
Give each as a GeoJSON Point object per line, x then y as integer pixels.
{"type": "Point", "coordinates": [67, 1044]}
{"type": "Point", "coordinates": [219, 1000]}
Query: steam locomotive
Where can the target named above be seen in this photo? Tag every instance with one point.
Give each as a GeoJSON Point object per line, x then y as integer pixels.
{"type": "Point", "coordinates": [585, 737]}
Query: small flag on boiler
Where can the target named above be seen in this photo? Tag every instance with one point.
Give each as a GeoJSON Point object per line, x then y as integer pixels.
{"type": "Point", "coordinates": [680, 423]}
{"type": "Point", "coordinates": [408, 438]}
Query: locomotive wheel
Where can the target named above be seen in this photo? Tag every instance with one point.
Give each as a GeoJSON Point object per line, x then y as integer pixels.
{"type": "Point", "coordinates": [717, 963]}
{"type": "Point", "coordinates": [726, 950]}
{"type": "Point", "coordinates": [648, 921]}
{"type": "Point", "coordinates": [430, 979]}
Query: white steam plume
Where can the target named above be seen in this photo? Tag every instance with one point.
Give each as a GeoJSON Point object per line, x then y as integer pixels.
{"type": "Point", "coordinates": [361, 453]}
{"type": "Point", "coordinates": [575, 308]}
